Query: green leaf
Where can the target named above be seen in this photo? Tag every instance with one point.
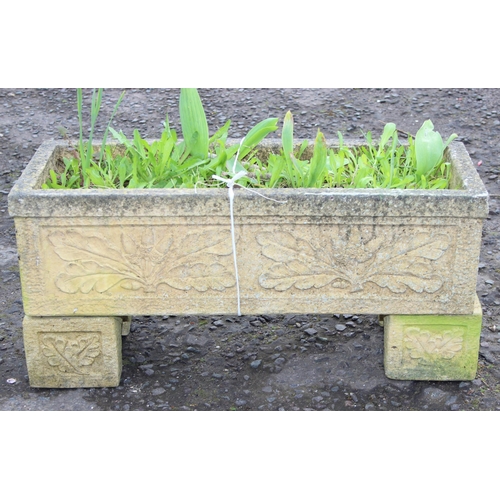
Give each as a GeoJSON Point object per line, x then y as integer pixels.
{"type": "Point", "coordinates": [256, 134]}
{"type": "Point", "coordinates": [95, 177]}
{"type": "Point", "coordinates": [293, 166]}
{"type": "Point", "coordinates": [122, 174]}
{"type": "Point", "coordinates": [318, 162]}
{"type": "Point", "coordinates": [287, 135]}
{"type": "Point", "coordinates": [140, 144]}
{"type": "Point", "coordinates": [388, 132]}
{"type": "Point", "coordinates": [276, 167]}
{"type": "Point", "coordinates": [194, 123]}
{"type": "Point", "coordinates": [106, 131]}
{"type": "Point", "coordinates": [221, 134]}
{"type": "Point", "coordinates": [429, 148]}
{"type": "Point", "coordinates": [120, 137]}
{"type": "Point", "coordinates": [167, 145]}
{"type": "Point", "coordinates": [53, 178]}
{"type": "Point", "coordinates": [303, 147]}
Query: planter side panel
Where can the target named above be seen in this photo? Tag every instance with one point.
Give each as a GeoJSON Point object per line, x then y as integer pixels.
{"type": "Point", "coordinates": [118, 266]}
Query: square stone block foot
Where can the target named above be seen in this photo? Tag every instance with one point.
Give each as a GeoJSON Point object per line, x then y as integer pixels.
{"type": "Point", "coordinates": [71, 352]}
{"type": "Point", "coordinates": [432, 347]}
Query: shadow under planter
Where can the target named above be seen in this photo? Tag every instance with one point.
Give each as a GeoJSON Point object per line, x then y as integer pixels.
{"type": "Point", "coordinates": [107, 255]}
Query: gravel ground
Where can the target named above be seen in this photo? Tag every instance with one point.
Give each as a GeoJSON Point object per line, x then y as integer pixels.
{"type": "Point", "coordinates": [268, 363]}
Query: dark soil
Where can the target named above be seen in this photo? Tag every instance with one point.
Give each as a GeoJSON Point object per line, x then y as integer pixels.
{"type": "Point", "coordinates": [268, 362]}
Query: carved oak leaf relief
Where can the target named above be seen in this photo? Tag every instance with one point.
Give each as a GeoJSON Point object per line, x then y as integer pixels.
{"type": "Point", "coordinates": [353, 256]}
{"type": "Point", "coordinates": [424, 345]}
{"type": "Point", "coordinates": [70, 355]}
{"type": "Point", "coordinates": [143, 259]}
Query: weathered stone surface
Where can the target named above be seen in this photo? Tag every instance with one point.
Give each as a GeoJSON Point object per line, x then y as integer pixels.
{"type": "Point", "coordinates": [73, 352]}
{"type": "Point", "coordinates": [134, 252]}
{"type": "Point", "coordinates": [115, 266]}
{"type": "Point", "coordinates": [467, 197]}
{"type": "Point", "coordinates": [126, 324]}
{"type": "Point", "coordinates": [432, 347]}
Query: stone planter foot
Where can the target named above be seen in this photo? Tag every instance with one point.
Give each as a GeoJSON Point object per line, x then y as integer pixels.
{"type": "Point", "coordinates": [432, 347]}
{"type": "Point", "coordinates": [70, 352]}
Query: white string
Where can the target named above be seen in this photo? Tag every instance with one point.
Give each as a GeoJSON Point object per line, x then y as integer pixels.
{"type": "Point", "coordinates": [230, 184]}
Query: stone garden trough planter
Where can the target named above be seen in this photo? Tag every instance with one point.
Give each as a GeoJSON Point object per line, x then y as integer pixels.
{"type": "Point", "coordinates": [92, 259]}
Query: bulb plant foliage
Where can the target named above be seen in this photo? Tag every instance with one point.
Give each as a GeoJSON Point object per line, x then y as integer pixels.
{"type": "Point", "coordinates": [199, 158]}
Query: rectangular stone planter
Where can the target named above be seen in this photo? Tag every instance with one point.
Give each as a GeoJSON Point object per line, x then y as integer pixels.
{"type": "Point", "coordinates": [118, 253]}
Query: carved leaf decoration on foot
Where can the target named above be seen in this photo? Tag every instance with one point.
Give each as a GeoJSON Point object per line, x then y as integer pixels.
{"type": "Point", "coordinates": [426, 346]}
{"type": "Point", "coordinates": [351, 257]}
{"type": "Point", "coordinates": [70, 355]}
{"type": "Point", "coordinates": [97, 264]}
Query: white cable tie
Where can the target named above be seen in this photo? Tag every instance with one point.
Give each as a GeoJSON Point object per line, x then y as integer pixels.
{"type": "Point", "coordinates": [230, 184]}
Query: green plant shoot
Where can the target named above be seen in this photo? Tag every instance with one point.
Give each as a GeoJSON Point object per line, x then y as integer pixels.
{"type": "Point", "coordinates": [193, 123]}
{"type": "Point", "coordinates": [429, 148]}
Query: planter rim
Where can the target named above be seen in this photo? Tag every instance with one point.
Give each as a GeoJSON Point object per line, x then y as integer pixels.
{"type": "Point", "coordinates": [27, 199]}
